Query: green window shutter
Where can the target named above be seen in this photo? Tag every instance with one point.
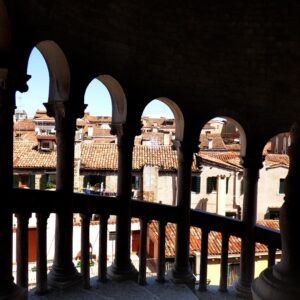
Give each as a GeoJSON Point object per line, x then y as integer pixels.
{"type": "Point", "coordinates": [43, 182]}
{"type": "Point", "coordinates": [86, 180]}
{"type": "Point", "coordinates": [16, 181]}
{"type": "Point", "coordinates": [197, 184]}
{"type": "Point", "coordinates": [281, 186]}
{"type": "Point", "coordinates": [32, 182]}
{"type": "Point", "coordinates": [209, 185]}
{"type": "Point", "coordinates": [227, 184]}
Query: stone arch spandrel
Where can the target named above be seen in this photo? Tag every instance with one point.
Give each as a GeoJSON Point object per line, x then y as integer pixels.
{"type": "Point", "coordinates": [59, 72]}
{"type": "Point", "coordinates": [118, 98]}
{"type": "Point", "coordinates": [178, 115]}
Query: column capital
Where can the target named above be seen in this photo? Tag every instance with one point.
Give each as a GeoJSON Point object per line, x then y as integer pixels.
{"type": "Point", "coordinates": [64, 109]}
{"type": "Point", "coordinates": [117, 129]}
{"type": "Point", "coordinates": [252, 162]}
{"type": "Point", "coordinates": [12, 80]}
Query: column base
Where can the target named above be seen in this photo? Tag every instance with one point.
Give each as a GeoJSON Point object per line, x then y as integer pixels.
{"type": "Point", "coordinates": [15, 292]}
{"type": "Point", "coordinates": [242, 290]}
{"type": "Point", "coordinates": [267, 286]}
{"type": "Point", "coordinates": [59, 278]}
{"type": "Point", "coordinates": [186, 277]}
{"type": "Point", "coordinates": [117, 274]}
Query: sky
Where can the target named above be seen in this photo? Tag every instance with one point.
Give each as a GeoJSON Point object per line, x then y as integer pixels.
{"type": "Point", "coordinates": [96, 96]}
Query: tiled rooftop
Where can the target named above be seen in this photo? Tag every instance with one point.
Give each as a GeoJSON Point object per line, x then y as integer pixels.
{"type": "Point", "coordinates": [100, 156]}
{"type": "Point", "coordinates": [214, 239]}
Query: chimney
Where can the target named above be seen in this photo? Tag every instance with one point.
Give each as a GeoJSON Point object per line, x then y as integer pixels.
{"type": "Point", "coordinates": [90, 131]}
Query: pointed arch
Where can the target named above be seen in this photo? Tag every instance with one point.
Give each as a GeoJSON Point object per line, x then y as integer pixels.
{"type": "Point", "coordinates": [59, 71]}
{"type": "Point", "coordinates": [118, 98]}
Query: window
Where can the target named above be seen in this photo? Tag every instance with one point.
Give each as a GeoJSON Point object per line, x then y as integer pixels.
{"type": "Point", "coordinates": [135, 182]}
{"type": "Point", "coordinates": [242, 187]}
{"type": "Point", "coordinates": [281, 186]}
{"type": "Point", "coordinates": [272, 213]}
{"type": "Point", "coordinates": [46, 145]}
{"type": "Point", "coordinates": [196, 180]}
{"type": "Point", "coordinates": [112, 235]}
{"type": "Point", "coordinates": [211, 184]}
{"type": "Point", "coordinates": [227, 184]}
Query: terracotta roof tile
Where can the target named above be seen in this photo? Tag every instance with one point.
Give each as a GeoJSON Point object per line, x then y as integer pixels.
{"type": "Point", "coordinates": [24, 125]}
{"type": "Point", "coordinates": [217, 141]}
{"type": "Point", "coordinates": [277, 159]}
{"type": "Point", "coordinates": [26, 155]}
{"type": "Point", "coordinates": [214, 239]}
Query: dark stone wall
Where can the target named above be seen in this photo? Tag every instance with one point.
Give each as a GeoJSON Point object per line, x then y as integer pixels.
{"type": "Point", "coordinates": [213, 58]}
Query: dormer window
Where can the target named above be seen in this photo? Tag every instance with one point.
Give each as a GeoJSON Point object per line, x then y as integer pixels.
{"type": "Point", "coordinates": [46, 142]}
{"type": "Point", "coordinates": [46, 145]}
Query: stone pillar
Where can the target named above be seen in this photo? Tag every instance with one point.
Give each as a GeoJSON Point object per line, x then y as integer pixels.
{"type": "Point", "coordinates": [122, 267]}
{"type": "Point", "coordinates": [282, 280]}
{"type": "Point", "coordinates": [181, 271]}
{"type": "Point", "coordinates": [64, 273]}
{"type": "Point", "coordinates": [251, 174]}
{"type": "Point", "coordinates": [8, 290]}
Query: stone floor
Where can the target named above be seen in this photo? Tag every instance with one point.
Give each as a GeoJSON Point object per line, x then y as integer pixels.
{"type": "Point", "coordinates": [132, 291]}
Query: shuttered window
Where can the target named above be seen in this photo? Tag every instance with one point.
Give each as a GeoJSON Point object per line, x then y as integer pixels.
{"type": "Point", "coordinates": [281, 186]}
{"type": "Point", "coordinates": [227, 184]}
{"type": "Point", "coordinates": [196, 181]}
{"type": "Point", "coordinates": [86, 180]}
{"type": "Point", "coordinates": [16, 181]}
{"type": "Point", "coordinates": [211, 184]}
{"type": "Point", "coordinates": [43, 182]}
{"type": "Point", "coordinates": [135, 182]}
{"type": "Point", "coordinates": [32, 182]}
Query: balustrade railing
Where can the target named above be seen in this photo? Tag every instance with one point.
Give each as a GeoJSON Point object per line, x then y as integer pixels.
{"type": "Point", "coordinates": [43, 203]}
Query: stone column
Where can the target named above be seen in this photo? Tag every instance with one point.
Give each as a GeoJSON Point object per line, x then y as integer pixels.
{"type": "Point", "coordinates": [182, 272]}
{"type": "Point", "coordinates": [64, 273]}
{"type": "Point", "coordinates": [122, 267]}
{"type": "Point", "coordinates": [282, 280]}
{"type": "Point", "coordinates": [251, 174]}
{"type": "Point", "coordinates": [8, 290]}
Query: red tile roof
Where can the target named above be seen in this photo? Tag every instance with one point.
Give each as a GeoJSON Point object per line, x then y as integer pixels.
{"type": "Point", "coordinates": [24, 125]}
{"type": "Point", "coordinates": [277, 160]}
{"type": "Point", "coordinates": [27, 156]}
{"type": "Point", "coordinates": [214, 239]}
{"type": "Point", "coordinates": [217, 141]}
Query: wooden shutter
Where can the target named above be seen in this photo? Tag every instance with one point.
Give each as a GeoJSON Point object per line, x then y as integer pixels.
{"type": "Point", "coordinates": [197, 182]}
{"type": "Point", "coordinates": [209, 185]}
{"type": "Point", "coordinates": [227, 184]}
{"type": "Point", "coordinates": [86, 180]}
{"type": "Point", "coordinates": [281, 186]}
{"type": "Point", "coordinates": [32, 182]}
{"type": "Point", "coordinates": [43, 182]}
{"type": "Point", "coordinates": [16, 181]}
